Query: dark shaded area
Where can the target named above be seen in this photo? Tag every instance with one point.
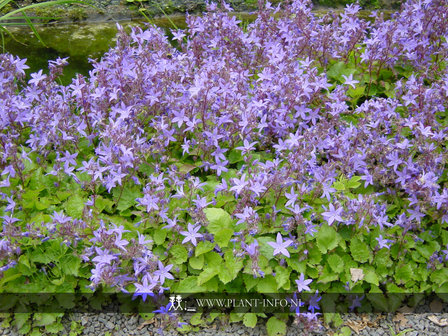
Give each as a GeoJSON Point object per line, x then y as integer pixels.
{"type": "Point", "coordinates": [214, 302]}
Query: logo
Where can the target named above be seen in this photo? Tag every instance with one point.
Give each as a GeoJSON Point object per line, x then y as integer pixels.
{"type": "Point", "coordinates": [178, 304]}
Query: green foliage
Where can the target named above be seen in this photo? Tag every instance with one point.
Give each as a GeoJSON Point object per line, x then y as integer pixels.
{"type": "Point", "coordinates": [276, 327]}
{"type": "Point", "coordinates": [216, 263]}
{"type": "Point", "coordinates": [327, 238]}
{"type": "Point", "coordinates": [359, 250]}
{"type": "Point", "coordinates": [20, 14]}
{"type": "Point", "coordinates": [250, 320]}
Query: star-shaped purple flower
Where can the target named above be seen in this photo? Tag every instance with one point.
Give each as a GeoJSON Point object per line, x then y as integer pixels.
{"type": "Point", "coordinates": [191, 234]}
{"type": "Point", "coordinates": [280, 246]}
{"type": "Point", "coordinates": [302, 284]}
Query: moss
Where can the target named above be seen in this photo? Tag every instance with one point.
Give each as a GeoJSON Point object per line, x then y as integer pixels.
{"type": "Point", "coordinates": [5, 10]}
{"type": "Point", "coordinates": [77, 14]}
{"type": "Point", "coordinates": [153, 7]}
{"type": "Point", "coordinates": [50, 13]}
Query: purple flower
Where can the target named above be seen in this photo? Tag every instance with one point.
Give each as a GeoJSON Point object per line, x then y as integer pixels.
{"type": "Point", "coordinates": [163, 272]}
{"type": "Point", "coordinates": [280, 245]}
{"type": "Point", "coordinates": [11, 204]}
{"type": "Point", "coordinates": [292, 197]}
{"type": "Point", "coordinates": [37, 77]}
{"type": "Point", "coordinates": [356, 302]}
{"type": "Point", "coordinates": [446, 252]}
{"type": "Point", "coordinates": [332, 214]}
{"type": "Point", "coordinates": [310, 228]}
{"type": "Point", "coordinates": [383, 242]}
{"type": "Point", "coordinates": [350, 81]}
{"type": "Point", "coordinates": [252, 248]}
{"type": "Point", "coordinates": [103, 256]}
{"type": "Point", "coordinates": [144, 289]}
{"type": "Point", "coordinates": [164, 310]}
{"type": "Point", "coordinates": [239, 184]}
{"type": "Point", "coordinates": [191, 234]}
{"type": "Point", "coordinates": [247, 147]}
{"type": "Point", "coordinates": [142, 239]}
{"type": "Point", "coordinates": [60, 217]}
{"type": "Point", "coordinates": [313, 303]}
{"type": "Point", "coordinates": [201, 202]}
{"type": "Point", "coordinates": [178, 34]}
{"type": "Point", "coordinates": [150, 201]}
{"type": "Point", "coordinates": [120, 243]}
{"type": "Point", "coordinates": [302, 284]}
{"type": "Point", "coordinates": [416, 214]}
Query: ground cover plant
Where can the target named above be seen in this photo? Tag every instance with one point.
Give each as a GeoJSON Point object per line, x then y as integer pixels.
{"type": "Point", "coordinates": [299, 154]}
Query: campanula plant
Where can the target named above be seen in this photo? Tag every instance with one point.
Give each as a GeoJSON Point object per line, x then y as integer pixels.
{"type": "Point", "coordinates": [299, 154]}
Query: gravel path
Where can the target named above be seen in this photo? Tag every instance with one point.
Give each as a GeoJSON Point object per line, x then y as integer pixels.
{"type": "Point", "coordinates": [112, 324]}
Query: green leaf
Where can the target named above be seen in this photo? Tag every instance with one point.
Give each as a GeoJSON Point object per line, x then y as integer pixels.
{"type": "Point", "coordinates": [146, 169]}
{"type": "Point", "coordinates": [327, 275]}
{"type": "Point", "coordinates": [21, 319]}
{"type": "Point", "coordinates": [428, 249]}
{"type": "Point", "coordinates": [339, 186]}
{"type": "Point", "coordinates": [212, 285]}
{"type": "Point", "coordinates": [235, 156]}
{"type": "Point", "coordinates": [265, 248]}
{"type": "Point", "coordinates": [235, 317]}
{"type": "Point", "coordinates": [43, 203]}
{"type": "Point", "coordinates": [298, 266]}
{"type": "Point", "coordinates": [47, 252]}
{"type": "Point", "coordinates": [74, 206]}
{"type": "Point", "coordinates": [218, 220]}
{"type": "Point", "coordinates": [70, 265]}
{"type": "Point", "coordinates": [276, 327]}
{"type": "Point", "coordinates": [267, 285]}
{"type": "Point", "coordinates": [250, 281]}
{"type": "Point", "coordinates": [160, 236]}
{"type": "Point", "coordinates": [314, 256]}
{"type": "Point", "coordinates": [179, 254]}
{"type": "Point", "coordinates": [353, 182]}
{"type": "Point", "coordinates": [63, 195]}
{"type": "Point", "coordinates": [250, 320]}
{"type": "Point", "coordinates": [54, 328]}
{"type": "Point", "coordinates": [207, 274]}
{"type": "Point", "coordinates": [404, 274]}
{"type": "Point", "coordinates": [29, 198]}
{"type": "Point", "coordinates": [196, 319]}
{"type": "Point", "coordinates": [127, 198]}
{"type": "Point", "coordinates": [204, 247]}
{"type": "Point", "coordinates": [43, 319]}
{"type": "Point", "coordinates": [197, 262]}
{"type": "Point", "coordinates": [24, 265]}
{"type": "Point", "coordinates": [359, 250]}
{"type": "Point", "coordinates": [345, 331]}
{"type": "Point", "coordinates": [439, 277]}
{"type": "Point", "coordinates": [186, 168]}
{"type": "Point", "coordinates": [37, 332]}
{"type": "Point", "coordinates": [327, 238]}
{"type": "Point", "coordinates": [356, 92]}
{"type": "Point", "coordinates": [336, 263]}
{"type": "Point", "coordinates": [189, 285]}
{"type": "Point", "coordinates": [370, 276]}
{"type": "Point", "coordinates": [232, 267]}
{"type": "Point", "coordinates": [213, 259]}
{"type": "Point", "coordinates": [338, 69]}
{"type": "Point", "coordinates": [380, 302]}
{"type": "Point", "coordinates": [222, 237]}
{"type": "Point", "coordinates": [103, 203]}
{"type": "Point", "coordinates": [25, 329]}
{"type": "Point", "coordinates": [282, 277]}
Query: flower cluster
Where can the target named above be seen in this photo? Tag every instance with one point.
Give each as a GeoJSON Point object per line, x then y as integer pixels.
{"type": "Point", "coordinates": [233, 147]}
